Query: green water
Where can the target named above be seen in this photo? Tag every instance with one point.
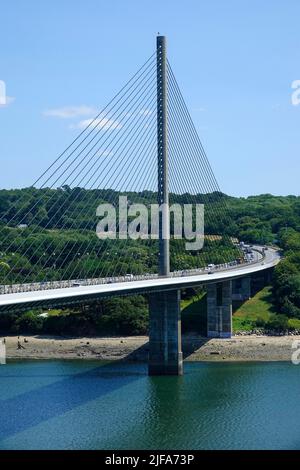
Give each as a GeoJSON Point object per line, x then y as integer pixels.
{"type": "Point", "coordinates": [92, 405]}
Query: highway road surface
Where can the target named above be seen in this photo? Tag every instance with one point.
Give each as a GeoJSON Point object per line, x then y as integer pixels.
{"type": "Point", "coordinates": [56, 297]}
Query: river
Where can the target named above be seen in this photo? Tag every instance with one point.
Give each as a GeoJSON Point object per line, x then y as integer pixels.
{"type": "Point", "coordinates": [101, 405]}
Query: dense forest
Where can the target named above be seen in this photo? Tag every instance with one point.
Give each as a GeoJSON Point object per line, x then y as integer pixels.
{"type": "Point", "coordinates": [47, 234]}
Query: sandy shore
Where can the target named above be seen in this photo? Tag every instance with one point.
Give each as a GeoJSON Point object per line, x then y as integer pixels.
{"type": "Point", "coordinates": [195, 348]}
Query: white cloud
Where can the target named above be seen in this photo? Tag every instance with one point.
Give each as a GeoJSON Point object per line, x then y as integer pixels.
{"type": "Point", "coordinates": [9, 100]}
{"type": "Point", "coordinates": [71, 112]}
{"type": "Point", "coordinates": [68, 112]}
{"type": "Point", "coordinates": [100, 123]}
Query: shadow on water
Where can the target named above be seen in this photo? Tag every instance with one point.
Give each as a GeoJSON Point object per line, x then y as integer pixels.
{"type": "Point", "coordinates": [72, 389]}
{"type": "Point", "coordinates": [161, 412]}
{"type": "Point", "coordinates": [29, 408]}
{"type": "Point", "coordinates": [48, 401]}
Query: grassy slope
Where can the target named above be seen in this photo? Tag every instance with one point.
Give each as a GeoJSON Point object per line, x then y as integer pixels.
{"type": "Point", "coordinates": [258, 307]}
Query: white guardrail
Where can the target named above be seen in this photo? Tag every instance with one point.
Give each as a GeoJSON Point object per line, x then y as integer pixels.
{"type": "Point", "coordinates": [40, 286]}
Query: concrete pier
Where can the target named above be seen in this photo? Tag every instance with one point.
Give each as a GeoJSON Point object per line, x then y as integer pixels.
{"type": "Point", "coordinates": [241, 288]}
{"type": "Point", "coordinates": [165, 354]}
{"type": "Point", "coordinates": [219, 310]}
{"type": "Point", "coordinates": [268, 273]}
{"type": "Point", "coordinates": [246, 288]}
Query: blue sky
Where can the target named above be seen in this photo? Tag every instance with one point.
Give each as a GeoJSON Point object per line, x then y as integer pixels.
{"type": "Point", "coordinates": [235, 61]}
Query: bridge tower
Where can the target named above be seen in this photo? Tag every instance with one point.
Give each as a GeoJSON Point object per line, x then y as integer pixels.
{"type": "Point", "coordinates": [162, 157]}
{"type": "Point", "coordinates": [165, 356]}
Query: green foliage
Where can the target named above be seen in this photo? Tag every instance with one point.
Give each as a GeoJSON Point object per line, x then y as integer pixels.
{"type": "Point", "coordinates": [277, 322]}
{"type": "Point", "coordinates": [126, 316]}
{"type": "Point", "coordinates": [293, 324]}
{"type": "Point", "coordinates": [244, 324]}
{"type": "Point", "coordinates": [61, 228]}
{"type": "Point", "coordinates": [52, 236]}
{"type": "Point", "coordinates": [255, 312]}
{"type": "Point", "coordinates": [28, 322]}
{"type": "Point", "coordinates": [116, 316]}
{"type": "Point", "coordinates": [286, 280]}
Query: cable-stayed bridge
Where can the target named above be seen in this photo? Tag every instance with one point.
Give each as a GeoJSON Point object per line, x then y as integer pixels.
{"type": "Point", "coordinates": [67, 241]}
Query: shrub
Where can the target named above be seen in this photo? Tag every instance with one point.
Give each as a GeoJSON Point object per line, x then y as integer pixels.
{"type": "Point", "coordinates": [277, 322]}
{"type": "Point", "coordinates": [294, 324]}
{"type": "Point", "coordinates": [260, 323]}
{"type": "Point", "coordinates": [29, 322]}
{"type": "Point", "coordinates": [127, 316]}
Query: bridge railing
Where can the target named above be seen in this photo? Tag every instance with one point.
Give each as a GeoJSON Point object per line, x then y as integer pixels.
{"type": "Point", "coordinates": [40, 286]}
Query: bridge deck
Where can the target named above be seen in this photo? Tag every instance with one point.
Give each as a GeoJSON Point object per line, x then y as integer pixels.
{"type": "Point", "coordinates": [72, 295]}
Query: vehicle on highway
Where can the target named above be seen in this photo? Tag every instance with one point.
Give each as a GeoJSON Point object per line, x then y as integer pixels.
{"type": "Point", "coordinates": [211, 268]}
{"type": "Point", "coordinates": [128, 276]}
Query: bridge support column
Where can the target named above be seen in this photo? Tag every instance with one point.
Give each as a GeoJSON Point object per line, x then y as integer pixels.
{"type": "Point", "coordinates": [165, 354]}
{"type": "Point", "coordinates": [219, 310]}
{"type": "Point", "coordinates": [246, 288]}
{"type": "Point", "coordinates": [268, 276]}
{"type": "Point", "coordinates": [241, 288]}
